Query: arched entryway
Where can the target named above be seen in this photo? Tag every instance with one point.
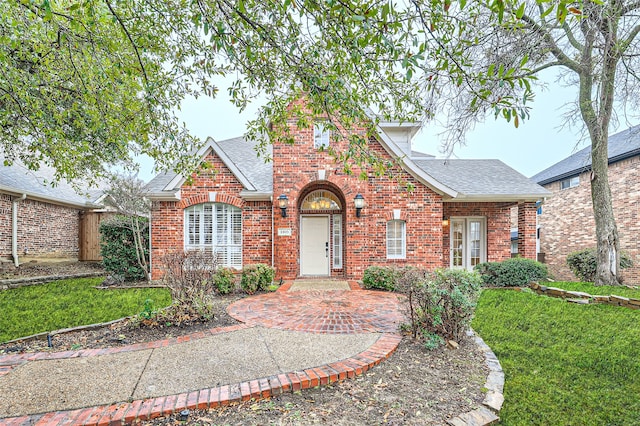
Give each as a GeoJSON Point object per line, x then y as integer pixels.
{"type": "Point", "coordinates": [321, 222]}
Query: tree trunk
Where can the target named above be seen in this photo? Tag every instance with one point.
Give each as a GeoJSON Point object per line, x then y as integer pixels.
{"type": "Point", "coordinates": [596, 113]}
{"type": "Point", "coordinates": [608, 244]}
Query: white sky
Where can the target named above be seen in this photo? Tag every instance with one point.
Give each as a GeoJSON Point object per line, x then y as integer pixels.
{"type": "Point", "coordinates": [537, 144]}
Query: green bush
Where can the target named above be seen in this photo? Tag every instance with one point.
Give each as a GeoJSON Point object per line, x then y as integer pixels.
{"type": "Point", "coordinates": [256, 277]}
{"type": "Point", "coordinates": [380, 278]}
{"type": "Point", "coordinates": [224, 280]}
{"type": "Point", "coordinates": [515, 272]}
{"type": "Point", "coordinates": [439, 303]}
{"type": "Point", "coordinates": [583, 263]}
{"type": "Point", "coordinates": [118, 249]}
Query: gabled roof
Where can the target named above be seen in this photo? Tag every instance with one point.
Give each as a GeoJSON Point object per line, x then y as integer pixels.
{"type": "Point", "coordinates": [240, 157]}
{"type": "Point", "coordinates": [622, 145]}
{"type": "Point", "coordinates": [482, 180]}
{"type": "Point", "coordinates": [17, 179]}
{"type": "Point", "coordinates": [455, 180]}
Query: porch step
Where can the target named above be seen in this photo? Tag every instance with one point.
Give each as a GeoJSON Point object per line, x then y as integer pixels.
{"type": "Point", "coordinates": [319, 284]}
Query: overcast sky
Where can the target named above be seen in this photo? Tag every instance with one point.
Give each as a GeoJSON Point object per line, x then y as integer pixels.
{"type": "Point", "coordinates": [537, 144]}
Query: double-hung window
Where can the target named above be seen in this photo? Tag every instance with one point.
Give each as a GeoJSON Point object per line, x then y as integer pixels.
{"type": "Point", "coordinates": [396, 239]}
{"type": "Point", "coordinates": [321, 135]}
{"type": "Point", "coordinates": [215, 228]}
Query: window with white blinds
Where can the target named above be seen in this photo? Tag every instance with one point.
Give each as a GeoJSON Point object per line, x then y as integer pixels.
{"type": "Point", "coordinates": [215, 228]}
{"type": "Point", "coordinates": [396, 239]}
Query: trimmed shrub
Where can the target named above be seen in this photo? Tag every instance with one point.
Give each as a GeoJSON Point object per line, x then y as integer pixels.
{"type": "Point", "coordinates": [256, 277]}
{"type": "Point", "coordinates": [440, 303]}
{"type": "Point", "coordinates": [118, 249]}
{"type": "Point", "coordinates": [380, 278]}
{"type": "Point", "coordinates": [516, 272]}
{"type": "Point", "coordinates": [224, 280]}
{"type": "Point", "coordinates": [583, 263]}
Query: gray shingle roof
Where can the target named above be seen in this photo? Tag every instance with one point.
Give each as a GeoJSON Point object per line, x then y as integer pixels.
{"type": "Point", "coordinates": [160, 181]}
{"type": "Point", "coordinates": [472, 179]}
{"type": "Point", "coordinates": [481, 178]}
{"type": "Point", "coordinates": [622, 145]}
{"type": "Point", "coordinates": [242, 154]}
{"type": "Point", "coordinates": [18, 178]}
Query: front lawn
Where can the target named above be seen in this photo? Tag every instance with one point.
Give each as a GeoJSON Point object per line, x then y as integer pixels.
{"type": "Point", "coordinates": [565, 364]}
{"type": "Point", "coordinates": [69, 303]}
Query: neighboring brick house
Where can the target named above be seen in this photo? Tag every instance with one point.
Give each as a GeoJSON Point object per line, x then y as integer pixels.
{"type": "Point", "coordinates": [38, 220]}
{"type": "Point", "coordinates": [567, 223]}
{"type": "Point", "coordinates": [456, 216]}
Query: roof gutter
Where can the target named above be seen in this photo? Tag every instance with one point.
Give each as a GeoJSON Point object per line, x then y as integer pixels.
{"type": "Point", "coordinates": [256, 195]}
{"type": "Point", "coordinates": [163, 196]}
{"type": "Point", "coordinates": [51, 200]}
{"type": "Point", "coordinates": [461, 198]}
{"type": "Point", "coordinates": [14, 228]}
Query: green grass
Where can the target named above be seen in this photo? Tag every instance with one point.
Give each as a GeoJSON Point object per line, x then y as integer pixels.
{"type": "Point", "coordinates": [69, 303]}
{"type": "Point", "coordinates": [565, 364]}
{"type": "Point", "coordinates": [599, 290]}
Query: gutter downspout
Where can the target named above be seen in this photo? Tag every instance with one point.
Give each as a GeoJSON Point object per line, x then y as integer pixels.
{"type": "Point", "coordinates": [273, 234]}
{"type": "Point", "coordinates": [14, 228]}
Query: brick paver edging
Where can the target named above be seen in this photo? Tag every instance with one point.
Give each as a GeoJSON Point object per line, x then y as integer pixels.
{"type": "Point", "coordinates": [126, 413]}
{"type": "Point", "coordinates": [585, 298]}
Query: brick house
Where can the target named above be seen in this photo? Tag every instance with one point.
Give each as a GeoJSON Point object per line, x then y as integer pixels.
{"type": "Point", "coordinates": [457, 215]}
{"type": "Point", "coordinates": [40, 221]}
{"type": "Point", "coordinates": [566, 222]}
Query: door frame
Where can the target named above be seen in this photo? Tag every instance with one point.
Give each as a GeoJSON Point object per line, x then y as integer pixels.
{"type": "Point", "coordinates": [328, 240]}
{"type": "Point", "coordinates": [466, 236]}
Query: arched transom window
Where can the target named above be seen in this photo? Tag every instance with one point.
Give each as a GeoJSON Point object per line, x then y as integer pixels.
{"type": "Point", "coordinates": [215, 228]}
{"type": "Point", "coordinates": [321, 200]}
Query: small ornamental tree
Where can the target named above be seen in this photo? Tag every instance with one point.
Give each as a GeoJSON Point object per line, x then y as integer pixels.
{"type": "Point", "coordinates": [127, 195]}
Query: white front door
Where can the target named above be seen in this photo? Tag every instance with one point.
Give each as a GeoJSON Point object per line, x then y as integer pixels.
{"type": "Point", "coordinates": [314, 245]}
{"type": "Point", "coordinates": [468, 242]}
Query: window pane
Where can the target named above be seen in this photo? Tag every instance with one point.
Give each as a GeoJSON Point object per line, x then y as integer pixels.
{"type": "Point", "coordinates": [337, 241]}
{"type": "Point", "coordinates": [320, 200]}
{"type": "Point", "coordinates": [457, 248]}
{"type": "Point", "coordinates": [396, 239]}
{"type": "Point", "coordinates": [320, 136]}
{"type": "Point", "coordinates": [474, 242]}
{"type": "Point", "coordinates": [217, 229]}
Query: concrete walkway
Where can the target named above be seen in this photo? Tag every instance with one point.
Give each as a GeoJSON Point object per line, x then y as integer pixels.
{"type": "Point", "coordinates": [288, 341]}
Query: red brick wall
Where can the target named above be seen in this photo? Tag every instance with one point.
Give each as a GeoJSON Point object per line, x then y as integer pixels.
{"type": "Point", "coordinates": [217, 184]}
{"type": "Point", "coordinates": [498, 216]}
{"type": "Point", "coordinates": [527, 230]}
{"type": "Point", "coordinates": [567, 224]}
{"type": "Point", "coordinates": [299, 169]}
{"type": "Point", "coordinates": [296, 174]}
{"type": "Point", "coordinates": [46, 230]}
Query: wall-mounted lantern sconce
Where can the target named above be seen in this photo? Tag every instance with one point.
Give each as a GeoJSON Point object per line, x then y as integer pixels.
{"type": "Point", "coordinates": [445, 222]}
{"type": "Point", "coordinates": [283, 203]}
{"type": "Point", "coordinates": [359, 203]}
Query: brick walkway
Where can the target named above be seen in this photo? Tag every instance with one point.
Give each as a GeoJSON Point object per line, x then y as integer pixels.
{"type": "Point", "coordinates": [325, 312]}
{"type": "Point", "coordinates": [315, 311]}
